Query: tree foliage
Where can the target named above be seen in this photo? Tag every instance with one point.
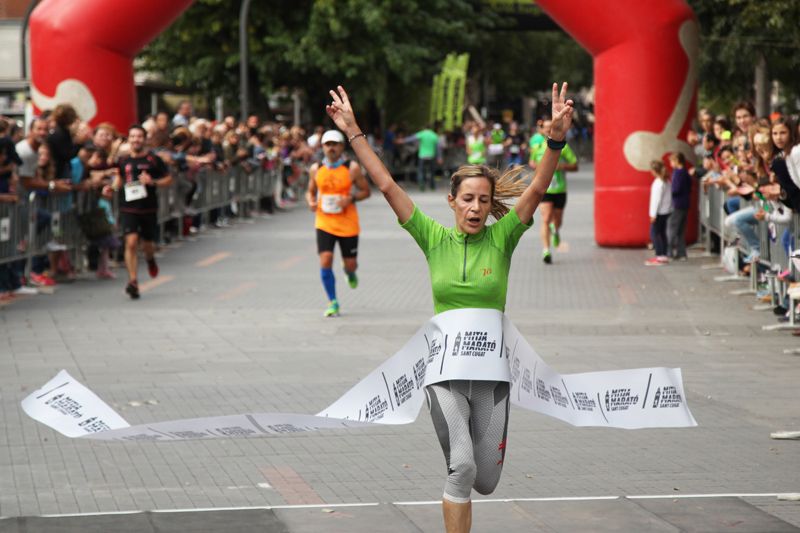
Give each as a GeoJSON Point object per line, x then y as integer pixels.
{"type": "Point", "coordinates": [734, 33]}
{"type": "Point", "coordinates": [376, 48]}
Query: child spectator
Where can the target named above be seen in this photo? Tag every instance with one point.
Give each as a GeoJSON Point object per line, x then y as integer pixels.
{"type": "Point", "coordinates": [101, 174]}
{"type": "Point", "coordinates": [660, 209]}
{"type": "Point", "coordinates": [681, 191]}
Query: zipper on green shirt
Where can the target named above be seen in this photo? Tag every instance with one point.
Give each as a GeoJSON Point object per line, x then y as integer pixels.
{"type": "Point", "coordinates": [464, 276]}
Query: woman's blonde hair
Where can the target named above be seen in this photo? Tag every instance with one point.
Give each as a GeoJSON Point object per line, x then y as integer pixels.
{"type": "Point", "coordinates": [504, 186]}
{"type": "Point", "coordinates": [762, 137]}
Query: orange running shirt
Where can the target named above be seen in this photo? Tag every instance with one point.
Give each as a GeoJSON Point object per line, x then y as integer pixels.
{"type": "Point", "coordinates": [331, 185]}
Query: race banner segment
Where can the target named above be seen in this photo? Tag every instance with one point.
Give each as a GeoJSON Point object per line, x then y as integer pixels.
{"type": "Point", "coordinates": [472, 344]}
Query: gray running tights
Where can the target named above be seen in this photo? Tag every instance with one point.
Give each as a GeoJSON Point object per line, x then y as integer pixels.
{"type": "Point", "coordinates": [471, 421]}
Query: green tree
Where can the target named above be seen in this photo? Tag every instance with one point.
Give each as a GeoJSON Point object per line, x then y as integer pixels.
{"type": "Point", "coordinates": [734, 33]}
{"type": "Point", "coordinates": [383, 51]}
{"type": "Point", "coordinates": [525, 63]}
{"type": "Point", "coordinates": [363, 44]}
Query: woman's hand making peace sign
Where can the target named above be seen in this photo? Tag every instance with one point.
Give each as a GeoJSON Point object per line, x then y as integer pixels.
{"type": "Point", "coordinates": [341, 112]}
{"type": "Point", "coordinates": [561, 113]}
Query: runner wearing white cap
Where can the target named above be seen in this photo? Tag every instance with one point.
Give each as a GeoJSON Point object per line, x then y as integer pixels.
{"type": "Point", "coordinates": [332, 197]}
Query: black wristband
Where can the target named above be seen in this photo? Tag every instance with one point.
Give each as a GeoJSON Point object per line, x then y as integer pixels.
{"type": "Point", "coordinates": [555, 145]}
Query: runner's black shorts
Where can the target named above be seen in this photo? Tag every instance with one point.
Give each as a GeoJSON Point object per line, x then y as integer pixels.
{"type": "Point", "coordinates": [326, 241]}
{"type": "Point", "coordinates": [559, 199]}
{"type": "Point", "coordinates": [145, 224]}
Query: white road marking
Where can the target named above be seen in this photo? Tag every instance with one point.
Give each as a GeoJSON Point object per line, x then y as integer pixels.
{"type": "Point", "coordinates": [434, 502]}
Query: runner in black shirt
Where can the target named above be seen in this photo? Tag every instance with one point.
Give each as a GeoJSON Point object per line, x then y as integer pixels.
{"type": "Point", "coordinates": [515, 142]}
{"type": "Point", "coordinates": [140, 173]}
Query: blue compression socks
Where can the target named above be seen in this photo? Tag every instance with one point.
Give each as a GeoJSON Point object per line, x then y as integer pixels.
{"type": "Point", "coordinates": [329, 282]}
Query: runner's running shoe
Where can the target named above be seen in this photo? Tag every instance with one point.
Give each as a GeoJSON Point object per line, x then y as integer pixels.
{"type": "Point", "coordinates": [333, 309]}
{"type": "Point", "coordinates": [133, 290]}
{"type": "Point", "coordinates": [42, 280]}
{"type": "Point", "coordinates": [152, 267]}
{"type": "Point", "coordinates": [547, 257]}
{"type": "Point", "coordinates": [352, 279]}
{"type": "Point", "coordinates": [555, 238]}
{"type": "Point", "coordinates": [654, 261]}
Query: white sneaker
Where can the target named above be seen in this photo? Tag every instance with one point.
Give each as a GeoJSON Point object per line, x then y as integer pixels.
{"type": "Point", "coordinates": [26, 290]}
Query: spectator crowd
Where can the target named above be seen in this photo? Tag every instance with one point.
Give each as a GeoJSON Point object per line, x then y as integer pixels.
{"type": "Point", "coordinates": [62, 163]}
{"type": "Point", "coordinates": [754, 164]}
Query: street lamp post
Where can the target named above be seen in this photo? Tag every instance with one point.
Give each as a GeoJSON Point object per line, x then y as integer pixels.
{"type": "Point", "coordinates": [243, 59]}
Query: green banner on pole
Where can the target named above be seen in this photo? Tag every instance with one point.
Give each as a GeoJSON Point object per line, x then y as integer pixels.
{"type": "Point", "coordinates": [447, 97]}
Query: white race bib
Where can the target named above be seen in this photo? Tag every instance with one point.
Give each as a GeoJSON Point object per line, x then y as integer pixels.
{"type": "Point", "coordinates": [329, 203]}
{"type": "Point", "coordinates": [135, 191]}
{"type": "Point", "coordinates": [495, 149]}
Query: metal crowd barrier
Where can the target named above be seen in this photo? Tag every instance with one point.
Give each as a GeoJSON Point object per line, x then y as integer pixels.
{"type": "Point", "coordinates": [13, 232]}
{"type": "Point", "coordinates": [23, 235]}
{"type": "Point", "coordinates": [712, 222]}
{"type": "Point", "coordinates": [773, 256]}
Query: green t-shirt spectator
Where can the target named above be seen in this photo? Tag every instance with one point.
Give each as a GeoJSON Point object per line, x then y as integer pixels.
{"type": "Point", "coordinates": [559, 183]}
{"type": "Point", "coordinates": [428, 143]}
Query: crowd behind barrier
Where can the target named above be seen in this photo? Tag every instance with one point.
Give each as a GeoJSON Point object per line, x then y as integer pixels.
{"type": "Point", "coordinates": [748, 175]}
{"type": "Point", "coordinates": [208, 191]}
{"type": "Point", "coordinates": [61, 184]}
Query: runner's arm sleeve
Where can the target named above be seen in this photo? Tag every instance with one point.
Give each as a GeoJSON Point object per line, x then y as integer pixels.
{"type": "Point", "coordinates": [426, 231]}
{"type": "Point", "coordinates": [507, 231]}
{"type": "Point", "coordinates": [568, 156]}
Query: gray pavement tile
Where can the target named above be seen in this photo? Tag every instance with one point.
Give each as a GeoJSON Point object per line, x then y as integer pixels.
{"type": "Point", "coordinates": [376, 519]}
{"type": "Point", "coordinates": [700, 515]}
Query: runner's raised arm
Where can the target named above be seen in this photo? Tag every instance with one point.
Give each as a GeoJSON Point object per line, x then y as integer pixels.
{"type": "Point", "coordinates": [342, 114]}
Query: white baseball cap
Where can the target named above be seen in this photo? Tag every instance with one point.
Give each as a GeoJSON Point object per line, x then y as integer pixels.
{"type": "Point", "coordinates": [332, 136]}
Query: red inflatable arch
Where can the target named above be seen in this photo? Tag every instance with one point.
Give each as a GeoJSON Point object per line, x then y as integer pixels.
{"type": "Point", "coordinates": [82, 52]}
{"type": "Point", "coordinates": [645, 94]}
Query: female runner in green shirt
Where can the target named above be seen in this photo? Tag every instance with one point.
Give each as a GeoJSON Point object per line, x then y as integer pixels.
{"type": "Point", "coordinates": [469, 267]}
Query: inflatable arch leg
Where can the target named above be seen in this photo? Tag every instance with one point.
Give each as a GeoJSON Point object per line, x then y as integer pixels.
{"type": "Point", "coordinates": [646, 86]}
{"type": "Point", "coordinates": [82, 53]}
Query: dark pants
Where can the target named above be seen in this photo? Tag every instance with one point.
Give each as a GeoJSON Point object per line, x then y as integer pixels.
{"type": "Point", "coordinates": [676, 232]}
{"type": "Point", "coordinates": [425, 171]}
{"type": "Point", "coordinates": [9, 277]}
{"type": "Point", "coordinates": [732, 205]}
{"type": "Point", "coordinates": [658, 234]}
{"type": "Point", "coordinates": [40, 262]}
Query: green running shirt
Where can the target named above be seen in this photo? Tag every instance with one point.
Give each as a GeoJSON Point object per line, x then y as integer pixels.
{"type": "Point", "coordinates": [559, 183]}
{"type": "Point", "coordinates": [467, 270]}
{"type": "Point", "coordinates": [478, 155]}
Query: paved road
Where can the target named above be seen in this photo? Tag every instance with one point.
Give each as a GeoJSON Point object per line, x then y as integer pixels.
{"type": "Point", "coordinates": [234, 324]}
